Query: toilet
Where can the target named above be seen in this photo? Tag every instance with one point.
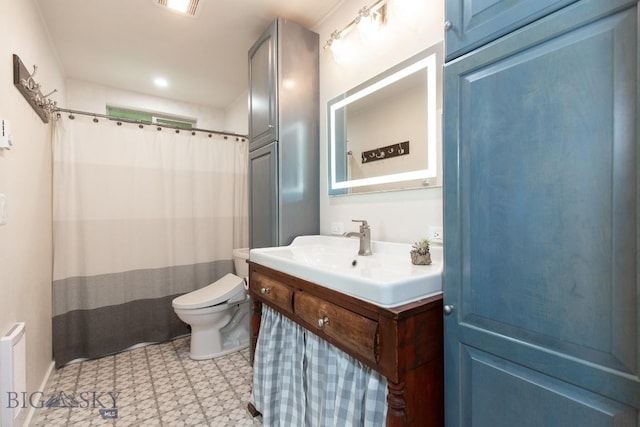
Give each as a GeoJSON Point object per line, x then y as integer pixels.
{"type": "Point", "coordinates": [218, 313]}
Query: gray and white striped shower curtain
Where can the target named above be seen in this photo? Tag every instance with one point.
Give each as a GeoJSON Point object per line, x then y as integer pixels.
{"type": "Point", "coordinates": [140, 216]}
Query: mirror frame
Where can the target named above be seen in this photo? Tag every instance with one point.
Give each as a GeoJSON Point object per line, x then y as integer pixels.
{"type": "Point", "coordinates": [429, 59]}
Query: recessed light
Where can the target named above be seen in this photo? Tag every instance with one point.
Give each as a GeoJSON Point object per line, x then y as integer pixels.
{"type": "Point", "coordinates": [188, 7]}
{"type": "Point", "coordinates": [178, 5]}
{"type": "Point", "coordinates": [160, 82]}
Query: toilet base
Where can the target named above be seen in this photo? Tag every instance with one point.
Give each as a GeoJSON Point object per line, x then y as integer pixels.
{"type": "Point", "coordinates": [224, 352]}
{"type": "Point", "coordinates": [207, 343]}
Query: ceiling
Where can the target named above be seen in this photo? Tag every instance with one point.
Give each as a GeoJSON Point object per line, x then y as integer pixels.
{"type": "Point", "coordinates": [127, 43]}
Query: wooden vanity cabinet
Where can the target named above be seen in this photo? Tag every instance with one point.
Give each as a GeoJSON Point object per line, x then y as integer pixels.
{"type": "Point", "coordinates": [402, 343]}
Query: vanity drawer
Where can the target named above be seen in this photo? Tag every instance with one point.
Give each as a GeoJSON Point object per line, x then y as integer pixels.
{"type": "Point", "coordinates": [271, 290]}
{"type": "Point", "coordinates": [347, 329]}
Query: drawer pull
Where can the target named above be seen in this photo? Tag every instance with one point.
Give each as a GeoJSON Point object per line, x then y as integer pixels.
{"type": "Point", "coordinates": [322, 322]}
{"type": "Point", "coordinates": [265, 290]}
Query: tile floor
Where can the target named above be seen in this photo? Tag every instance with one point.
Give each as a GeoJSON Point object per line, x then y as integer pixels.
{"type": "Point", "coordinates": [159, 385]}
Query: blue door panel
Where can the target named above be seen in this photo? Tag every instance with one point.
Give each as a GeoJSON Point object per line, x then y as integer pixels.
{"type": "Point", "coordinates": [475, 22]}
{"type": "Point", "coordinates": [523, 397]}
{"type": "Point", "coordinates": [537, 181]}
{"type": "Point", "coordinates": [542, 216]}
{"type": "Point", "coordinates": [263, 112]}
{"type": "Point", "coordinates": [263, 201]}
{"type": "Point", "coordinates": [517, 349]}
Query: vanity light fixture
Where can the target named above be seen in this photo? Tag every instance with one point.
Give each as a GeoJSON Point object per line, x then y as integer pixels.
{"type": "Point", "coordinates": [368, 21]}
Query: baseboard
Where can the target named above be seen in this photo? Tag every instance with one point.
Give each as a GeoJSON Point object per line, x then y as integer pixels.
{"type": "Point", "coordinates": [43, 385]}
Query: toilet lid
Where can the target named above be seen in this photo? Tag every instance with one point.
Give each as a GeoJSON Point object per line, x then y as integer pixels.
{"type": "Point", "coordinates": [216, 293]}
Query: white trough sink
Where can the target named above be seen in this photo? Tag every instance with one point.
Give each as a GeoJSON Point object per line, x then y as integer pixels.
{"type": "Point", "coordinates": [386, 278]}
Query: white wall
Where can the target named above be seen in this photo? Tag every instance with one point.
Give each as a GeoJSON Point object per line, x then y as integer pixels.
{"type": "Point", "coordinates": [25, 179]}
{"type": "Point", "coordinates": [400, 216]}
{"type": "Point", "coordinates": [92, 97]}
{"type": "Point", "coordinates": [237, 115]}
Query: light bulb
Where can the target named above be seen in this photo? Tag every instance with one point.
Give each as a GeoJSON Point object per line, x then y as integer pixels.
{"type": "Point", "coordinates": [368, 25]}
{"type": "Point", "coordinates": [178, 5]}
{"type": "Point", "coordinates": [369, 29]}
{"type": "Point", "coordinates": [339, 50]}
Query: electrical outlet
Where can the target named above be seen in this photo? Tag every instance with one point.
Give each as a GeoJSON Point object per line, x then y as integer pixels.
{"type": "Point", "coordinates": [436, 234]}
{"type": "Point", "coordinates": [337, 228]}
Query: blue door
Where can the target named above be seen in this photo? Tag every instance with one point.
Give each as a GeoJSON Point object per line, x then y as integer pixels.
{"type": "Point", "coordinates": [542, 225]}
{"type": "Point", "coordinates": [264, 214]}
{"type": "Point", "coordinates": [263, 113]}
{"type": "Point", "coordinates": [471, 23]}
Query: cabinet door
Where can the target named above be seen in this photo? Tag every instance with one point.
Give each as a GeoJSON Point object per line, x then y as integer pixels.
{"type": "Point", "coordinates": [263, 114]}
{"type": "Point", "coordinates": [542, 226]}
{"type": "Point", "coordinates": [477, 22]}
{"type": "Point", "coordinates": [263, 205]}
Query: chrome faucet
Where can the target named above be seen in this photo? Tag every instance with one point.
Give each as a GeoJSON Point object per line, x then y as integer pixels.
{"type": "Point", "coordinates": [364, 235]}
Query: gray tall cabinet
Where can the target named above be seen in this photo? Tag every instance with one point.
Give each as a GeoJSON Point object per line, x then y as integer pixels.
{"type": "Point", "coordinates": [542, 213]}
{"type": "Point", "coordinates": [283, 135]}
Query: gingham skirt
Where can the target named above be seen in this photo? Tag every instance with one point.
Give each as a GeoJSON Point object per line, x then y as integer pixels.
{"type": "Point", "coordinates": [301, 380]}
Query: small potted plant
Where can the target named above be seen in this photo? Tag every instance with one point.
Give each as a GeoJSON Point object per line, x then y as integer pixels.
{"type": "Point", "coordinates": [420, 254]}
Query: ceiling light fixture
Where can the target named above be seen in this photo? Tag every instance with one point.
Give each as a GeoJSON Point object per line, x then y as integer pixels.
{"type": "Point", "coordinates": [160, 82]}
{"type": "Point", "coordinates": [368, 20]}
{"type": "Point", "coordinates": [188, 7]}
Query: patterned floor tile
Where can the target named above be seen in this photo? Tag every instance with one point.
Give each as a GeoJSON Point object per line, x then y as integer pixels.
{"type": "Point", "coordinates": [215, 406]}
{"type": "Point", "coordinates": [243, 392]}
{"type": "Point", "coordinates": [188, 415]}
{"type": "Point", "coordinates": [158, 385]}
{"type": "Point", "coordinates": [235, 417]}
{"type": "Point", "coordinates": [88, 417]}
{"type": "Point", "coordinates": [51, 417]}
{"type": "Point", "coordinates": [138, 413]}
{"type": "Point", "coordinates": [130, 396]}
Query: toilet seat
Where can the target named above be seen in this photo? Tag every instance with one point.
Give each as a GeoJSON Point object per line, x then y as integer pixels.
{"type": "Point", "coordinates": [221, 291]}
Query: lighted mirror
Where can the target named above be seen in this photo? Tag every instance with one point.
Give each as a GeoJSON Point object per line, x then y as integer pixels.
{"type": "Point", "coordinates": [384, 133]}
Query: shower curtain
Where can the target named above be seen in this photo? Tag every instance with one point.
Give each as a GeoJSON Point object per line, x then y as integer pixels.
{"type": "Point", "coordinates": [140, 216]}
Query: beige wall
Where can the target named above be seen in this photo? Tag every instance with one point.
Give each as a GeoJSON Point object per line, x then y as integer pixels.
{"type": "Point", "coordinates": [93, 97]}
{"type": "Point", "coordinates": [400, 216]}
{"type": "Point", "coordinates": [25, 179]}
{"type": "Point", "coordinates": [237, 115]}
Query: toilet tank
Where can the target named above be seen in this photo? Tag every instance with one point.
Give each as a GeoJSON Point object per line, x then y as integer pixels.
{"type": "Point", "coordinates": [240, 257]}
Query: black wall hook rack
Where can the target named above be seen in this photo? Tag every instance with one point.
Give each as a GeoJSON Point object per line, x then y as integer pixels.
{"type": "Point", "coordinates": [393, 150]}
{"type": "Point", "coordinates": [30, 89]}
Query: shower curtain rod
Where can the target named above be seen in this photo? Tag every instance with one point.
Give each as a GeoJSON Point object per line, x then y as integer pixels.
{"type": "Point", "coordinates": [146, 123]}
